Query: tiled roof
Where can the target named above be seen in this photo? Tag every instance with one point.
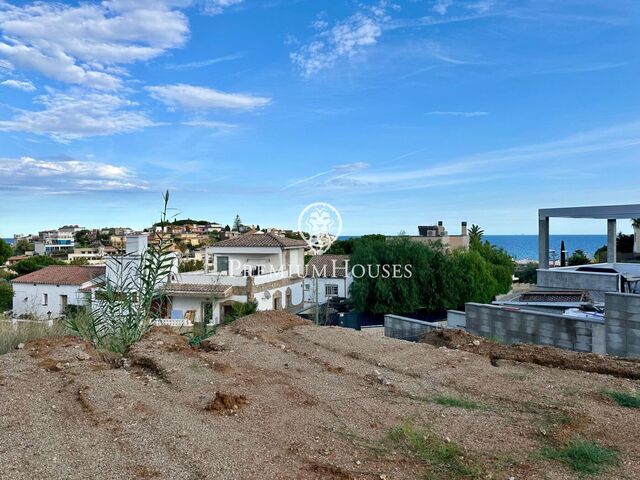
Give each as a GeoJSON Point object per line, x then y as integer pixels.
{"type": "Point", "coordinates": [327, 266]}
{"type": "Point", "coordinates": [62, 275]}
{"type": "Point", "coordinates": [197, 288]}
{"type": "Point", "coordinates": [260, 240]}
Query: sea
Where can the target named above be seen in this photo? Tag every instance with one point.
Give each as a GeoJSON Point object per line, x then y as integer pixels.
{"type": "Point", "coordinates": [8, 240]}
{"type": "Point", "coordinates": [525, 247]}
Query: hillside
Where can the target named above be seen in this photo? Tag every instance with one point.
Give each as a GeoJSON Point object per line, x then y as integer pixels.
{"type": "Point", "coordinates": [273, 396]}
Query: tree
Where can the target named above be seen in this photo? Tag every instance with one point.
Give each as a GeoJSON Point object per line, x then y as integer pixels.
{"type": "Point", "coordinates": [578, 258]}
{"type": "Point", "coordinates": [5, 251]}
{"type": "Point", "coordinates": [437, 281]}
{"type": "Point", "coordinates": [23, 246]}
{"type": "Point", "coordinates": [527, 273]}
{"type": "Point", "coordinates": [82, 238]}
{"type": "Point", "coordinates": [191, 266]}
{"type": "Point", "coordinates": [79, 261]}
{"type": "Point", "coordinates": [475, 233]}
{"type": "Point", "coordinates": [237, 223]}
{"type": "Point", "coordinates": [227, 228]}
{"type": "Point", "coordinates": [6, 296]}
{"type": "Point", "coordinates": [34, 263]}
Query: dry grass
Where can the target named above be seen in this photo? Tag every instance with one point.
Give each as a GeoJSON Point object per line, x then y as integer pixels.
{"type": "Point", "coordinates": [11, 337]}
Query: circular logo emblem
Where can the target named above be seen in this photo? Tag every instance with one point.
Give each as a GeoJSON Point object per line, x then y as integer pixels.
{"type": "Point", "coordinates": [320, 225]}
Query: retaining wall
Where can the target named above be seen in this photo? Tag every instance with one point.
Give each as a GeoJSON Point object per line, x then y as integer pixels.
{"type": "Point", "coordinates": [622, 313]}
{"type": "Point", "coordinates": [522, 326]}
{"type": "Point", "coordinates": [405, 328]}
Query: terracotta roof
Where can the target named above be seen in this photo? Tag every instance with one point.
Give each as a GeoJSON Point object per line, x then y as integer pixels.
{"type": "Point", "coordinates": [327, 266]}
{"type": "Point", "coordinates": [62, 275]}
{"type": "Point", "coordinates": [260, 240]}
{"type": "Point", "coordinates": [197, 288]}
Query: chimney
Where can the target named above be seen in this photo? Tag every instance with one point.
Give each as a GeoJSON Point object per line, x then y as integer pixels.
{"type": "Point", "coordinates": [440, 228]}
{"type": "Point", "coordinates": [136, 244]}
{"type": "Point", "coordinates": [463, 229]}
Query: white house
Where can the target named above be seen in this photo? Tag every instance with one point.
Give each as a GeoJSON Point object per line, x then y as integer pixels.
{"type": "Point", "coordinates": [45, 293]}
{"type": "Point", "coordinates": [326, 276]}
{"type": "Point", "coordinates": [260, 267]}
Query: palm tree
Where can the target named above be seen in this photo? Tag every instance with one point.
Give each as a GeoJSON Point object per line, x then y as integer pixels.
{"type": "Point", "coordinates": [475, 233]}
{"type": "Point", "coordinates": [635, 223]}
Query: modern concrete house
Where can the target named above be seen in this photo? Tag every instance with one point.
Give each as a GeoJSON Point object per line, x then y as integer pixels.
{"type": "Point", "coordinates": [326, 277]}
{"type": "Point", "coordinates": [437, 233]}
{"type": "Point", "coordinates": [46, 293]}
{"type": "Point", "coordinates": [591, 308]}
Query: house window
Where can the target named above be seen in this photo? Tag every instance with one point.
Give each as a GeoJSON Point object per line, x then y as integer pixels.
{"type": "Point", "coordinates": [307, 287]}
{"type": "Point", "coordinates": [64, 301]}
{"type": "Point", "coordinates": [222, 264]}
{"type": "Point", "coordinates": [45, 299]}
{"type": "Point", "coordinates": [331, 290]}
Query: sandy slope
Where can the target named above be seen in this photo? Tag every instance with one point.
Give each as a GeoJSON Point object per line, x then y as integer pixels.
{"type": "Point", "coordinates": [290, 400]}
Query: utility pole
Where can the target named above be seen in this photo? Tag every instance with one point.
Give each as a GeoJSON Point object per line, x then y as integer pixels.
{"type": "Point", "coordinates": [317, 304]}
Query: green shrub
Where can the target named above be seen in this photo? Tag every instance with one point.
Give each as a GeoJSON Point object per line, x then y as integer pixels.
{"type": "Point", "coordinates": [6, 296]}
{"type": "Point", "coordinates": [583, 456]}
{"type": "Point", "coordinates": [450, 401]}
{"type": "Point", "coordinates": [624, 399]}
{"type": "Point", "coordinates": [442, 459]}
{"type": "Point", "coordinates": [34, 263]}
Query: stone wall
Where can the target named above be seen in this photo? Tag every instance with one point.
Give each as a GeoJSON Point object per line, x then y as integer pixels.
{"type": "Point", "coordinates": [623, 324]}
{"type": "Point", "coordinates": [510, 325]}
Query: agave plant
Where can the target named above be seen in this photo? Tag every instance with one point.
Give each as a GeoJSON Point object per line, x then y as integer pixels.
{"type": "Point", "coordinates": [130, 300]}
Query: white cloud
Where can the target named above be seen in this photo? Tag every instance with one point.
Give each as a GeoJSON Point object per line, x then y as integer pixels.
{"type": "Point", "coordinates": [201, 98]}
{"type": "Point", "coordinates": [441, 6]}
{"type": "Point", "coordinates": [346, 38]}
{"type": "Point", "coordinates": [216, 7]}
{"type": "Point", "coordinates": [68, 117]}
{"type": "Point", "coordinates": [211, 125]}
{"type": "Point", "coordinates": [82, 44]}
{"type": "Point", "coordinates": [25, 85]}
{"type": "Point", "coordinates": [67, 176]}
{"type": "Point", "coordinates": [203, 63]}
{"type": "Point", "coordinates": [572, 151]}
{"type": "Point", "coordinates": [458, 114]}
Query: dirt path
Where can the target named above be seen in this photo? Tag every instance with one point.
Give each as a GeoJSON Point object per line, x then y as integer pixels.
{"type": "Point", "coordinates": [537, 354]}
{"type": "Point", "coordinates": [278, 398]}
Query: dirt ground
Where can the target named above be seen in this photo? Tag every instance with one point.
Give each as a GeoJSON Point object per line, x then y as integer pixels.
{"type": "Point", "coordinates": [274, 397]}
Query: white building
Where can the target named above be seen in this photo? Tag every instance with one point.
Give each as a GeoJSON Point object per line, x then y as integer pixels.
{"type": "Point", "coordinates": [260, 267]}
{"type": "Point", "coordinates": [45, 293]}
{"type": "Point", "coordinates": [326, 277]}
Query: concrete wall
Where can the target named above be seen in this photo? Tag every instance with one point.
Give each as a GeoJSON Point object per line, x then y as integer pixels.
{"type": "Point", "coordinates": [456, 319]}
{"type": "Point", "coordinates": [557, 278]}
{"type": "Point", "coordinates": [521, 326]}
{"type": "Point", "coordinates": [622, 313]}
{"type": "Point", "coordinates": [405, 328]}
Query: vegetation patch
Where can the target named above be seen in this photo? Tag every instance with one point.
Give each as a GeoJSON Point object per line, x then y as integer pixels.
{"type": "Point", "coordinates": [443, 460]}
{"type": "Point", "coordinates": [583, 456]}
{"type": "Point", "coordinates": [11, 337]}
{"type": "Point", "coordinates": [623, 399]}
{"type": "Point", "coordinates": [450, 401]}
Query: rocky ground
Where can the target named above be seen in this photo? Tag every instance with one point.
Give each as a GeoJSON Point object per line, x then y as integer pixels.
{"type": "Point", "coordinates": [274, 397]}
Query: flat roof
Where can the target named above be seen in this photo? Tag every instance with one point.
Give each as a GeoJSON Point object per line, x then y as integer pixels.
{"type": "Point", "coordinates": [598, 211]}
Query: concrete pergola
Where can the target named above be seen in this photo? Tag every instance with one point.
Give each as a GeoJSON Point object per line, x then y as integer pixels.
{"type": "Point", "coordinates": [609, 212]}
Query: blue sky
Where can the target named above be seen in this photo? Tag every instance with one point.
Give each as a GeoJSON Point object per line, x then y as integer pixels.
{"type": "Point", "coordinates": [398, 113]}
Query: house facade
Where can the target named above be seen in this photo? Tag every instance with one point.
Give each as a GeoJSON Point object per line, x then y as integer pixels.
{"type": "Point", "coordinates": [326, 277]}
{"type": "Point", "coordinates": [46, 293]}
{"type": "Point", "coordinates": [255, 267]}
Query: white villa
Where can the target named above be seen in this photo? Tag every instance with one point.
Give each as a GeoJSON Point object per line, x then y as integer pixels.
{"type": "Point", "coordinates": [260, 267]}
{"type": "Point", "coordinates": [46, 293]}
{"type": "Point", "coordinates": [326, 276]}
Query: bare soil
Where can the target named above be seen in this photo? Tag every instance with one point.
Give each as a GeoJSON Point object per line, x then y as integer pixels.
{"type": "Point", "coordinates": [274, 397]}
{"type": "Point", "coordinates": [538, 354]}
